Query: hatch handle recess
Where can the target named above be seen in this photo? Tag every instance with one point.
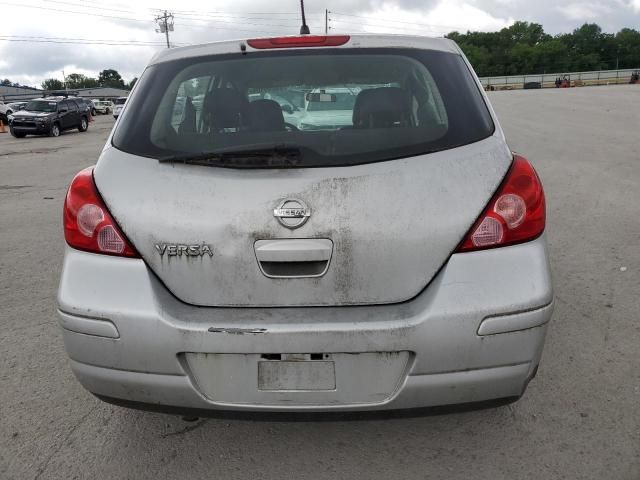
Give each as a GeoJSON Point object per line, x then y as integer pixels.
{"type": "Point", "coordinates": [294, 258]}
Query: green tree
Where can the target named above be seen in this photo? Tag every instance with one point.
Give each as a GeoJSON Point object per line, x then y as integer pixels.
{"type": "Point", "coordinates": [553, 56]}
{"type": "Point", "coordinates": [627, 48]}
{"type": "Point", "coordinates": [524, 48]}
{"type": "Point", "coordinates": [75, 80]}
{"type": "Point", "coordinates": [110, 78]}
{"type": "Point", "coordinates": [132, 83]}
{"type": "Point", "coordinates": [52, 84]}
{"type": "Point", "coordinates": [586, 47]}
{"type": "Point", "coordinates": [524, 33]}
{"type": "Point", "coordinates": [78, 80]}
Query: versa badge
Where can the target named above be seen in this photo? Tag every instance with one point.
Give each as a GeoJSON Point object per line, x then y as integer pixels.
{"type": "Point", "coordinates": [178, 250]}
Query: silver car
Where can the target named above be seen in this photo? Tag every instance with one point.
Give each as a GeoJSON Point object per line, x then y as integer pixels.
{"type": "Point", "coordinates": [220, 258]}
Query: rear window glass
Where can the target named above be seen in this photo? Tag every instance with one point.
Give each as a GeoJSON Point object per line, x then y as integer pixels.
{"type": "Point", "coordinates": [336, 106]}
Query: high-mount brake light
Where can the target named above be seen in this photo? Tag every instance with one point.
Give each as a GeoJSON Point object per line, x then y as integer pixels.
{"type": "Point", "coordinates": [515, 214]}
{"type": "Point", "coordinates": [88, 225]}
{"type": "Point", "coordinates": [301, 41]}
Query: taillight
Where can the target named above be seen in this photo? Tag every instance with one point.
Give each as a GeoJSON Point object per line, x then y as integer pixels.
{"type": "Point", "coordinates": [515, 214]}
{"type": "Point", "coordinates": [301, 41]}
{"type": "Point", "coordinates": [87, 223]}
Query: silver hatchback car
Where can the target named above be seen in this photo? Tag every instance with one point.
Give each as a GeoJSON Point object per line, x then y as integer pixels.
{"type": "Point", "coordinates": [221, 258]}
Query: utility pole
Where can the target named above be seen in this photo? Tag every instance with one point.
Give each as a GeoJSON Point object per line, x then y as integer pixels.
{"type": "Point", "coordinates": [165, 22]}
{"type": "Point", "coordinates": [326, 21]}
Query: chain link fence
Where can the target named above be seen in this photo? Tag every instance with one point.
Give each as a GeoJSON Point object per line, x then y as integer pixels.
{"type": "Point", "coordinates": [550, 80]}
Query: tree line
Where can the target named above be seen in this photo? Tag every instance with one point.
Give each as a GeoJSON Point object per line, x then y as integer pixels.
{"type": "Point", "coordinates": [106, 78]}
{"type": "Point", "coordinates": [525, 48]}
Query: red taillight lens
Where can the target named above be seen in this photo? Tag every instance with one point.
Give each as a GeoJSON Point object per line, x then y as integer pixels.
{"type": "Point", "coordinates": [301, 41]}
{"type": "Point", "coordinates": [515, 214]}
{"type": "Point", "coordinates": [87, 223]}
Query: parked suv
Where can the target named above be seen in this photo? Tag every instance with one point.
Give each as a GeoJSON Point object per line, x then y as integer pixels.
{"type": "Point", "coordinates": [223, 258]}
{"type": "Point", "coordinates": [50, 116]}
{"type": "Point", "coordinates": [86, 104]}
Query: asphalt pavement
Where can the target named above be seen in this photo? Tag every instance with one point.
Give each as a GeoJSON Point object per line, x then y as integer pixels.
{"type": "Point", "coordinates": [579, 419]}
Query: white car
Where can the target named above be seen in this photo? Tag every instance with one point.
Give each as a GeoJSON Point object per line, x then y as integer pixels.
{"type": "Point", "coordinates": [11, 108]}
{"type": "Point", "coordinates": [3, 111]}
{"type": "Point", "coordinates": [103, 106]}
{"type": "Point", "coordinates": [118, 105]}
{"type": "Point", "coordinates": [223, 259]}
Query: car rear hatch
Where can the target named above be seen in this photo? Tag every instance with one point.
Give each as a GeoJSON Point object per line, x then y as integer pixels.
{"type": "Point", "coordinates": [327, 230]}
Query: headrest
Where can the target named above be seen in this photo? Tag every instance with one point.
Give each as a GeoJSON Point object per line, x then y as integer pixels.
{"type": "Point", "coordinates": [228, 108]}
{"type": "Point", "coordinates": [266, 115]}
{"type": "Point", "coordinates": [382, 107]}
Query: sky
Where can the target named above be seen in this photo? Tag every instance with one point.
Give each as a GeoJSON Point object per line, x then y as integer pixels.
{"type": "Point", "coordinates": [42, 38]}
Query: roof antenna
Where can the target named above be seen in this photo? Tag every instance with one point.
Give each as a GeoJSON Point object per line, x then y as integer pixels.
{"type": "Point", "coordinates": [304, 29]}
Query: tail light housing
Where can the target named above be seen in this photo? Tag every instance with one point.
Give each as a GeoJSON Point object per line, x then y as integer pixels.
{"type": "Point", "coordinates": [515, 214]}
{"type": "Point", "coordinates": [297, 42]}
{"type": "Point", "coordinates": [88, 225]}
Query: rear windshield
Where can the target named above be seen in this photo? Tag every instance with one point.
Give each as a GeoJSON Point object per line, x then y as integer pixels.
{"type": "Point", "coordinates": [335, 106]}
{"type": "Point", "coordinates": [120, 101]}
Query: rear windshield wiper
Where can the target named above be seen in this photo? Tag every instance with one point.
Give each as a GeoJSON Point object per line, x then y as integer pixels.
{"type": "Point", "coordinates": [271, 157]}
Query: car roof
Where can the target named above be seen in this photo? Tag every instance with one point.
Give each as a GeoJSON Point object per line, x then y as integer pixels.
{"type": "Point", "coordinates": [356, 41]}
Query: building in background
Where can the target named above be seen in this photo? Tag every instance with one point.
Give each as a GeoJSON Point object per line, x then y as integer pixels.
{"type": "Point", "coordinates": [16, 94]}
{"type": "Point", "coordinates": [102, 93]}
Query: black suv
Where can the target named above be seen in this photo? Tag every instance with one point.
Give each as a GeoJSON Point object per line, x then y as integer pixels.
{"type": "Point", "coordinates": [50, 116]}
{"type": "Point", "coordinates": [88, 105]}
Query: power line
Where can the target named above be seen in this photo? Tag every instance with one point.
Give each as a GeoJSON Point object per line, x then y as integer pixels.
{"type": "Point", "coordinates": [70, 42]}
{"type": "Point", "coordinates": [194, 13]}
{"type": "Point", "coordinates": [236, 17]}
{"type": "Point", "coordinates": [193, 25]}
{"type": "Point", "coordinates": [243, 14]}
{"type": "Point", "coordinates": [386, 25]}
{"type": "Point", "coordinates": [234, 29]}
{"type": "Point", "coordinates": [399, 21]}
{"type": "Point", "coordinates": [74, 39]}
{"type": "Point", "coordinates": [79, 39]}
{"type": "Point", "coordinates": [394, 29]}
{"type": "Point", "coordinates": [74, 12]}
{"type": "Point", "coordinates": [82, 5]}
{"type": "Point", "coordinates": [231, 22]}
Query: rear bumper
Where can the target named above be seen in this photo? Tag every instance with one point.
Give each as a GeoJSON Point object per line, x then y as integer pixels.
{"type": "Point", "coordinates": [419, 391]}
{"type": "Point", "coordinates": [475, 334]}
